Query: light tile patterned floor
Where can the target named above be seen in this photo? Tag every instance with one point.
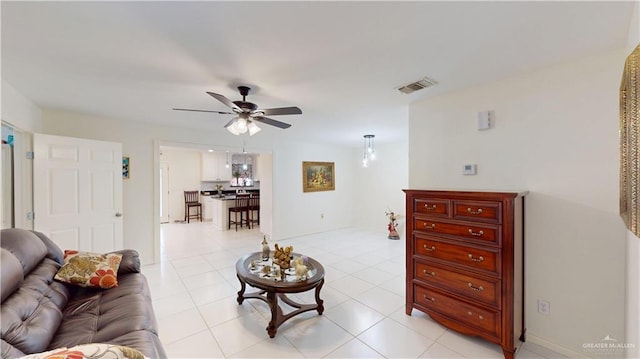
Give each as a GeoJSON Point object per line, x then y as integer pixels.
{"type": "Point", "coordinates": [194, 294]}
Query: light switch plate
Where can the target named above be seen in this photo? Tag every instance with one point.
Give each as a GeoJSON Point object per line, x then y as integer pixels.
{"type": "Point", "coordinates": [484, 120]}
{"type": "Point", "coordinates": [469, 169]}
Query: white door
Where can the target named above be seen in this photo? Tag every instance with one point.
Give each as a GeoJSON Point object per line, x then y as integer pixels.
{"type": "Point", "coordinates": [77, 189]}
{"type": "Point", "coordinates": [164, 192]}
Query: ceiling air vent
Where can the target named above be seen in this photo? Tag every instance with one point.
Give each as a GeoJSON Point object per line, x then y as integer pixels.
{"type": "Point", "coordinates": [418, 85]}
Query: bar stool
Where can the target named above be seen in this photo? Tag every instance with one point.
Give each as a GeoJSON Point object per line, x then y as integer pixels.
{"type": "Point", "coordinates": [192, 200]}
{"type": "Point", "coordinates": [241, 207]}
{"type": "Point", "coordinates": [254, 206]}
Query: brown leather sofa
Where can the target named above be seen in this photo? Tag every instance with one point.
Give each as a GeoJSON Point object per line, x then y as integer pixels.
{"type": "Point", "coordinates": [40, 314]}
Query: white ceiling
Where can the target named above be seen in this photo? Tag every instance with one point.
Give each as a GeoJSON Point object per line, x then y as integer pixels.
{"type": "Point", "coordinates": [340, 62]}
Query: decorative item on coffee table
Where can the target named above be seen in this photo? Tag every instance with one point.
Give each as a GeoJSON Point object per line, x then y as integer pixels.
{"type": "Point", "coordinates": [265, 249]}
{"type": "Point", "coordinates": [282, 256]}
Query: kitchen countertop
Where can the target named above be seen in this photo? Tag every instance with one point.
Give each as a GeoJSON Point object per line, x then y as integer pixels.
{"type": "Point", "coordinates": [223, 198]}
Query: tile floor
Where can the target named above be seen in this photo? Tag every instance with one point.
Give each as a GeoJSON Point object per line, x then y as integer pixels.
{"type": "Point", "coordinates": [194, 294]}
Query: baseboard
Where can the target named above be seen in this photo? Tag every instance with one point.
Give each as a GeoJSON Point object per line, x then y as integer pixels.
{"type": "Point", "coordinates": [555, 347]}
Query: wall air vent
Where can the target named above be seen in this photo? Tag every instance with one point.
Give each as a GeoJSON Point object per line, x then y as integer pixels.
{"type": "Point", "coordinates": [418, 85]}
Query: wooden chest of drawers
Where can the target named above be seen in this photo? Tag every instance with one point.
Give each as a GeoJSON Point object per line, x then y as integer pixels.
{"type": "Point", "coordinates": [465, 262]}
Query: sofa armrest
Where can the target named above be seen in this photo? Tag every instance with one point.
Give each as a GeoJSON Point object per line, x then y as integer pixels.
{"type": "Point", "coordinates": [130, 261]}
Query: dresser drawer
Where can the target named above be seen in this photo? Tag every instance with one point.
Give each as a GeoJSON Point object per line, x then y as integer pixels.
{"type": "Point", "coordinates": [486, 259]}
{"type": "Point", "coordinates": [481, 211]}
{"type": "Point", "coordinates": [467, 314]}
{"type": "Point", "coordinates": [439, 208]}
{"type": "Point", "coordinates": [484, 290]}
{"type": "Point", "coordinates": [473, 231]}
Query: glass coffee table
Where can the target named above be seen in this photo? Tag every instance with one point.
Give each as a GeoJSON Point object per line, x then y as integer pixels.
{"type": "Point", "coordinates": [272, 289]}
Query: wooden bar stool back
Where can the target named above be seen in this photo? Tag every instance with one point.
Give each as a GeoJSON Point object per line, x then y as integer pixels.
{"type": "Point", "coordinates": [192, 200]}
{"type": "Point", "coordinates": [241, 208]}
{"type": "Point", "coordinates": [254, 210]}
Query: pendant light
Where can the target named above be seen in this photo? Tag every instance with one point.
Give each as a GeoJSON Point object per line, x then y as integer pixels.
{"type": "Point", "coordinates": [244, 157]}
{"type": "Point", "coordinates": [369, 150]}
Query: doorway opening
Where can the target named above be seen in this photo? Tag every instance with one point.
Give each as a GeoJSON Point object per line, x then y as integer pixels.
{"type": "Point", "coordinates": [208, 169]}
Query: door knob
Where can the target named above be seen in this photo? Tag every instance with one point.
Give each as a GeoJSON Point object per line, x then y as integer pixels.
{"type": "Point", "coordinates": [118, 214]}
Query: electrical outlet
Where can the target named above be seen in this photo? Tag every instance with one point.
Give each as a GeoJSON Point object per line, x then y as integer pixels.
{"type": "Point", "coordinates": [544, 307]}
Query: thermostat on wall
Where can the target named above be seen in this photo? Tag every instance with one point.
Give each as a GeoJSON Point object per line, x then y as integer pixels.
{"type": "Point", "coordinates": [469, 169]}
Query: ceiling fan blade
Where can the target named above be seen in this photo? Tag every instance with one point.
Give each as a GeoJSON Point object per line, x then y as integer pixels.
{"type": "Point", "coordinates": [272, 122]}
{"type": "Point", "coordinates": [281, 111]}
{"type": "Point", "coordinates": [230, 122]}
{"type": "Point", "coordinates": [192, 110]}
{"type": "Point", "coordinates": [224, 100]}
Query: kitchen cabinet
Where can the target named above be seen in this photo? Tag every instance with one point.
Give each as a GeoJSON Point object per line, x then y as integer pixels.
{"type": "Point", "coordinates": [224, 167]}
{"type": "Point", "coordinates": [214, 167]}
{"type": "Point", "coordinates": [217, 209]}
{"type": "Point", "coordinates": [208, 205]}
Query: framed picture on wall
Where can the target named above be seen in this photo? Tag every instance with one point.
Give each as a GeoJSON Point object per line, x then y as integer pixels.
{"type": "Point", "coordinates": [318, 176]}
{"type": "Point", "coordinates": [125, 167]}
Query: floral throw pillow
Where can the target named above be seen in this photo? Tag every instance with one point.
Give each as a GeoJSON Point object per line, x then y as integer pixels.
{"type": "Point", "coordinates": [90, 269]}
{"type": "Point", "coordinates": [90, 351]}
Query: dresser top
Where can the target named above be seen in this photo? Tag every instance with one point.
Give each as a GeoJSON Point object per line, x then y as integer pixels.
{"type": "Point", "coordinates": [467, 193]}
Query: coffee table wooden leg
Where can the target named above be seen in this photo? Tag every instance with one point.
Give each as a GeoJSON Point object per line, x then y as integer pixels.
{"type": "Point", "coordinates": [276, 312]}
{"type": "Point", "coordinates": [242, 289]}
{"type": "Point", "coordinates": [319, 301]}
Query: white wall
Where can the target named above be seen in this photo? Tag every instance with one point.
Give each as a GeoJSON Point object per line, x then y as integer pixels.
{"type": "Point", "coordinates": [294, 213]}
{"type": "Point", "coordinates": [265, 165]}
{"type": "Point", "coordinates": [19, 111]}
{"type": "Point", "coordinates": [380, 187]}
{"type": "Point", "coordinates": [184, 175]}
{"type": "Point", "coordinates": [633, 243]}
{"type": "Point", "coordinates": [556, 135]}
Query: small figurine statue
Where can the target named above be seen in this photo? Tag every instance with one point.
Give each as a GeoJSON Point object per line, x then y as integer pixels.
{"type": "Point", "coordinates": [393, 225]}
{"type": "Point", "coordinates": [265, 249]}
{"type": "Point", "coordinates": [282, 256]}
{"type": "Point", "coordinates": [301, 272]}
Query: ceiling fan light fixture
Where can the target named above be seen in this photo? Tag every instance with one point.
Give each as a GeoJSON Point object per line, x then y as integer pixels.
{"type": "Point", "coordinates": [233, 129]}
{"type": "Point", "coordinates": [253, 128]}
{"type": "Point", "coordinates": [238, 126]}
{"type": "Point", "coordinates": [241, 124]}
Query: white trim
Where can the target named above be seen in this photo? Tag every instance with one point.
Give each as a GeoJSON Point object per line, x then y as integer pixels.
{"type": "Point", "coordinates": [555, 347]}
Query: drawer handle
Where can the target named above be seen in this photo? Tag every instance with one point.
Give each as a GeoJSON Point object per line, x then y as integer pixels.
{"type": "Point", "coordinates": [479, 259]}
{"type": "Point", "coordinates": [430, 249]}
{"type": "Point", "coordinates": [430, 274]}
{"type": "Point", "coordinates": [471, 211]}
{"type": "Point", "coordinates": [429, 225]}
{"type": "Point", "coordinates": [479, 316]}
{"type": "Point", "coordinates": [477, 234]}
{"type": "Point", "coordinates": [430, 299]}
{"type": "Point", "coordinates": [430, 207]}
{"type": "Point", "coordinates": [477, 289]}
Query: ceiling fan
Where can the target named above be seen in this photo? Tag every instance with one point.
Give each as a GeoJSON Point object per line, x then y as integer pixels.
{"type": "Point", "coordinates": [247, 113]}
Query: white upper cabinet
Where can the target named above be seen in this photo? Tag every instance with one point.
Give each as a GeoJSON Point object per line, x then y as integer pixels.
{"type": "Point", "coordinates": [224, 166]}
{"type": "Point", "coordinates": [214, 167]}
